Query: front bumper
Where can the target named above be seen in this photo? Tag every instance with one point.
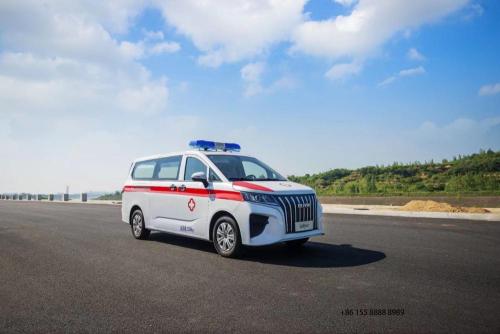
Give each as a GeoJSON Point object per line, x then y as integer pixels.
{"type": "Point", "coordinates": [275, 230]}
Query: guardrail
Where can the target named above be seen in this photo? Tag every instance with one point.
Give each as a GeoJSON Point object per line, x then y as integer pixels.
{"type": "Point", "coordinates": [41, 197]}
{"type": "Point", "coordinates": [83, 198]}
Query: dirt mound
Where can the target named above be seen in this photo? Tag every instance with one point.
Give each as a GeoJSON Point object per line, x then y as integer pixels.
{"type": "Point", "coordinates": [439, 207]}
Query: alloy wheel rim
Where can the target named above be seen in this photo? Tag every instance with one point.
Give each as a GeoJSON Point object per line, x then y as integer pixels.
{"type": "Point", "coordinates": [137, 225]}
{"type": "Point", "coordinates": [225, 237]}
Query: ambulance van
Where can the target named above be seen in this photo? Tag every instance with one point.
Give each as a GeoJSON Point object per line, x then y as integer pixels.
{"type": "Point", "coordinates": [214, 193]}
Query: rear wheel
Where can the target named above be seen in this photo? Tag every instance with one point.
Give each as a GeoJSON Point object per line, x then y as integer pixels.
{"type": "Point", "coordinates": [296, 243]}
{"type": "Point", "coordinates": [226, 237]}
{"type": "Point", "coordinates": [139, 230]}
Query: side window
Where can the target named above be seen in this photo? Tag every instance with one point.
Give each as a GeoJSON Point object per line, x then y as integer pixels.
{"type": "Point", "coordinates": [168, 168]}
{"type": "Point", "coordinates": [193, 165]}
{"type": "Point", "coordinates": [251, 168]}
{"type": "Point", "coordinates": [212, 177]}
{"type": "Point", "coordinates": [144, 170]}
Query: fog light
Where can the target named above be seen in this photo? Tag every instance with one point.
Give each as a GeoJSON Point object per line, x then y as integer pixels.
{"type": "Point", "coordinates": [257, 224]}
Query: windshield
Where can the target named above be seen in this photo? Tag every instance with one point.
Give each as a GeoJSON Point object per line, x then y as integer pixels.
{"type": "Point", "coordinates": [239, 168]}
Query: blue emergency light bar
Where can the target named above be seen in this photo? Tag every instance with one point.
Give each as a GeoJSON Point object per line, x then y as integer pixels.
{"type": "Point", "coordinates": [214, 146]}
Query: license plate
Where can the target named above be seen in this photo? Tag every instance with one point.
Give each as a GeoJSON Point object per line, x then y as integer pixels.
{"type": "Point", "coordinates": [304, 226]}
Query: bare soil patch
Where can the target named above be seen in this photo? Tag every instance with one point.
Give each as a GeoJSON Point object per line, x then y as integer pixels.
{"type": "Point", "coordinates": [433, 206]}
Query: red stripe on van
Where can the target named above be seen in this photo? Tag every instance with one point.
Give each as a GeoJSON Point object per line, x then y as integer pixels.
{"type": "Point", "coordinates": [135, 188]}
{"type": "Point", "coordinates": [229, 195]}
{"type": "Point", "coordinates": [251, 186]}
{"type": "Point", "coordinates": [220, 194]}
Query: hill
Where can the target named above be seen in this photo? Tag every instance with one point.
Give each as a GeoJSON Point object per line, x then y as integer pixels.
{"type": "Point", "coordinates": [116, 196]}
{"type": "Point", "coordinates": [476, 174]}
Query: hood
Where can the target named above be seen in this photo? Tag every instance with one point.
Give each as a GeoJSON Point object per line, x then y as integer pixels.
{"type": "Point", "coordinates": [271, 186]}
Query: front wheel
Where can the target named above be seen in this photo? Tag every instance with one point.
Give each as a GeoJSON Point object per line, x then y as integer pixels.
{"type": "Point", "coordinates": [139, 230]}
{"type": "Point", "coordinates": [226, 237]}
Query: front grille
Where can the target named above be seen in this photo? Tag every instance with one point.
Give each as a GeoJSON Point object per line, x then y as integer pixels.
{"type": "Point", "coordinates": [298, 208]}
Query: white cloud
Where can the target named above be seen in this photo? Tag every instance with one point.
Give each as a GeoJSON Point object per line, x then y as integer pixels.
{"type": "Point", "coordinates": [341, 71]}
{"type": "Point", "coordinates": [59, 57]}
{"type": "Point", "coordinates": [369, 25]}
{"type": "Point", "coordinates": [232, 30]}
{"type": "Point", "coordinates": [387, 81]}
{"type": "Point", "coordinates": [145, 48]}
{"type": "Point", "coordinates": [284, 82]}
{"type": "Point", "coordinates": [492, 89]}
{"type": "Point", "coordinates": [251, 75]}
{"type": "Point", "coordinates": [403, 73]}
{"type": "Point", "coordinates": [42, 86]}
{"type": "Point", "coordinates": [132, 50]}
{"type": "Point", "coordinates": [76, 30]}
{"type": "Point", "coordinates": [164, 47]}
{"type": "Point", "coordinates": [414, 54]}
{"type": "Point", "coordinates": [183, 87]}
{"type": "Point", "coordinates": [152, 35]}
{"type": "Point", "coordinates": [412, 72]}
{"type": "Point", "coordinates": [150, 98]}
{"type": "Point", "coordinates": [224, 30]}
{"type": "Point", "coordinates": [68, 92]}
{"type": "Point", "coordinates": [82, 154]}
{"type": "Point", "coordinates": [457, 137]}
{"type": "Point", "coordinates": [152, 44]}
{"type": "Point", "coordinates": [346, 3]}
{"type": "Point", "coordinates": [473, 10]}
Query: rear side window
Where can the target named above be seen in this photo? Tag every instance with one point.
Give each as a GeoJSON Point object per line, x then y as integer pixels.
{"type": "Point", "coordinates": [144, 170]}
{"type": "Point", "coordinates": [168, 168]}
{"type": "Point", "coordinates": [193, 165]}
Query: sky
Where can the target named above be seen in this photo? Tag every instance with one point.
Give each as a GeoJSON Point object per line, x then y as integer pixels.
{"type": "Point", "coordinates": [306, 86]}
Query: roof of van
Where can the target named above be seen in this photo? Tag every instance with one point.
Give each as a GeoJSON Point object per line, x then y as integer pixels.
{"type": "Point", "coordinates": [194, 152]}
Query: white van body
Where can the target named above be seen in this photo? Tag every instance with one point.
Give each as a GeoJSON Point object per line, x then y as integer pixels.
{"type": "Point", "coordinates": [171, 202]}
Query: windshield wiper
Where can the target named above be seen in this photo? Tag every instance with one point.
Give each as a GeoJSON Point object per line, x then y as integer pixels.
{"type": "Point", "coordinates": [239, 179]}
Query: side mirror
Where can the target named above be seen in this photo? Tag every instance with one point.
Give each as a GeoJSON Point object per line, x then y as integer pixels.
{"type": "Point", "coordinates": [200, 177]}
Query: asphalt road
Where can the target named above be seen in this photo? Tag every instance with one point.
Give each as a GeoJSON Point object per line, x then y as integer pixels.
{"type": "Point", "coordinates": [76, 268]}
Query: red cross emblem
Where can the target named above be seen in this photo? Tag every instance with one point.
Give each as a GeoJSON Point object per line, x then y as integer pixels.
{"type": "Point", "coordinates": [191, 204]}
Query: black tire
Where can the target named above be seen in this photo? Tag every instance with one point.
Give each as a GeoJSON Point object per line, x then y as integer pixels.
{"type": "Point", "coordinates": [139, 230]}
{"type": "Point", "coordinates": [296, 243]}
{"type": "Point", "coordinates": [222, 241]}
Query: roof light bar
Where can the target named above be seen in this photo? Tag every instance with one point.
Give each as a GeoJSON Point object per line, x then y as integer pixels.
{"type": "Point", "coordinates": [214, 146]}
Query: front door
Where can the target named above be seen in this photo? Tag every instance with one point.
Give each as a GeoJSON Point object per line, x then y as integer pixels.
{"type": "Point", "coordinates": [192, 200]}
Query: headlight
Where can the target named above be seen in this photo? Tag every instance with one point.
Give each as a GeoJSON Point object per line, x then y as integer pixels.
{"type": "Point", "coordinates": [259, 198]}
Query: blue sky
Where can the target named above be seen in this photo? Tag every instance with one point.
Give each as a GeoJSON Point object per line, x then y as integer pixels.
{"type": "Point", "coordinates": [85, 87]}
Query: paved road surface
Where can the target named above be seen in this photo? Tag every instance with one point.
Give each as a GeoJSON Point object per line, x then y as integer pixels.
{"type": "Point", "coordinates": [76, 268]}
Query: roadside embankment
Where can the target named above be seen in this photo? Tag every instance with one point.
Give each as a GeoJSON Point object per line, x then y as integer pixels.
{"type": "Point", "coordinates": [465, 201]}
{"type": "Point", "coordinates": [396, 211]}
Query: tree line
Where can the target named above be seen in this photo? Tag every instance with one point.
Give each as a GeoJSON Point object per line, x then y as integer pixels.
{"type": "Point", "coordinates": [477, 174]}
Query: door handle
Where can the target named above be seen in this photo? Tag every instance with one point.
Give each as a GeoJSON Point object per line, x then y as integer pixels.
{"type": "Point", "coordinates": [173, 187]}
{"type": "Point", "coordinates": [182, 188]}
